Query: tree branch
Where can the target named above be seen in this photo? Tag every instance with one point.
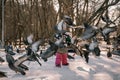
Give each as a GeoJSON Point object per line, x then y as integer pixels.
{"type": "Point", "coordinates": [102, 9]}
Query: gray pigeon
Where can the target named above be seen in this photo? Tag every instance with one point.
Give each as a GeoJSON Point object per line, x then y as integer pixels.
{"type": "Point", "coordinates": [13, 67]}
{"type": "Point", "coordinates": [89, 32]}
{"type": "Point", "coordinates": [106, 31]}
{"type": "Point", "coordinates": [50, 51]}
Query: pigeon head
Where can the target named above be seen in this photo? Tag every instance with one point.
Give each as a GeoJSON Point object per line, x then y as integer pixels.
{"type": "Point", "coordinates": [68, 20]}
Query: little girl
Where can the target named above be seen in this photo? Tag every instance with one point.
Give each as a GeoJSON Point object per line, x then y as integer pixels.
{"type": "Point", "coordinates": [61, 57]}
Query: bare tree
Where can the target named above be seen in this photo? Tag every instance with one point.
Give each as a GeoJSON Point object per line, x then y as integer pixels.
{"type": "Point", "coordinates": [39, 16]}
{"type": "Point", "coordinates": [105, 5]}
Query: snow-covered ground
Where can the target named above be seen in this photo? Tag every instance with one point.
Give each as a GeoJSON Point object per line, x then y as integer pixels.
{"type": "Point", "coordinates": [98, 68]}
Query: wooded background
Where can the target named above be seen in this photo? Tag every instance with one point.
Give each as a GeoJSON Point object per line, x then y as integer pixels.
{"type": "Point", "coordinates": [23, 17]}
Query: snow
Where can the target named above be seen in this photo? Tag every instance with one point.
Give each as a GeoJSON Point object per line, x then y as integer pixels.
{"type": "Point", "coordinates": [98, 68]}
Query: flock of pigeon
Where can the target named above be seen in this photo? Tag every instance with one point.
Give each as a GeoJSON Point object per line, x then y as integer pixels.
{"type": "Point", "coordinates": [60, 36]}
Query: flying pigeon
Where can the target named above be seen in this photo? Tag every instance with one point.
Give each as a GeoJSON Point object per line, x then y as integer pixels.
{"type": "Point", "coordinates": [35, 46]}
{"type": "Point", "coordinates": [89, 32]}
{"type": "Point", "coordinates": [50, 51]}
{"type": "Point", "coordinates": [106, 31]}
{"type": "Point", "coordinates": [13, 67]}
{"type": "Point", "coordinates": [28, 40]}
{"type": "Point", "coordinates": [65, 23]}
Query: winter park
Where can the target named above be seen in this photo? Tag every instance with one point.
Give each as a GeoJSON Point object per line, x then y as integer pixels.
{"type": "Point", "coordinates": [60, 40]}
